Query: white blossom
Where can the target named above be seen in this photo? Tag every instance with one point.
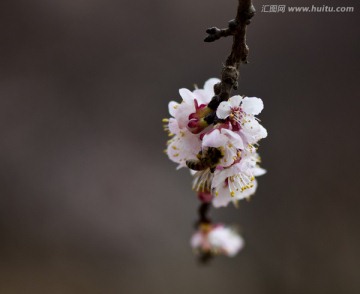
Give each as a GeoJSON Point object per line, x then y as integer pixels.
{"type": "Point", "coordinates": [236, 182]}
{"type": "Point", "coordinates": [229, 142]}
{"type": "Point", "coordinates": [217, 239]}
{"type": "Point", "coordinates": [241, 113]}
{"type": "Point", "coordinates": [183, 146]}
{"type": "Point", "coordinates": [181, 111]}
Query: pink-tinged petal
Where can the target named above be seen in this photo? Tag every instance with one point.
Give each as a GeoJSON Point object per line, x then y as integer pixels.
{"type": "Point", "coordinates": [196, 240]}
{"type": "Point", "coordinates": [235, 138]}
{"type": "Point", "coordinates": [235, 101]}
{"type": "Point", "coordinates": [223, 110]}
{"type": "Point", "coordinates": [220, 177]}
{"type": "Point", "coordinates": [244, 139]}
{"type": "Point", "coordinates": [214, 139]}
{"type": "Point", "coordinates": [229, 156]}
{"type": "Point", "coordinates": [173, 150]}
{"type": "Point", "coordinates": [182, 115]}
{"type": "Point", "coordinates": [187, 96]}
{"type": "Point", "coordinates": [173, 126]}
{"type": "Point", "coordinates": [239, 144]}
{"type": "Point", "coordinates": [223, 198]}
{"type": "Point", "coordinates": [201, 96]}
{"type": "Point", "coordinates": [252, 105]}
{"type": "Point", "coordinates": [209, 86]}
{"type": "Point", "coordinates": [245, 164]}
{"type": "Point", "coordinates": [173, 106]}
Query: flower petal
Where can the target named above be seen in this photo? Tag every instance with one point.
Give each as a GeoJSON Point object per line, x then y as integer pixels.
{"type": "Point", "coordinates": [209, 86]}
{"type": "Point", "coordinates": [201, 96]}
{"type": "Point", "coordinates": [235, 101]}
{"type": "Point", "coordinates": [262, 133]}
{"type": "Point", "coordinates": [229, 157]}
{"type": "Point", "coordinates": [246, 193]}
{"type": "Point", "coordinates": [214, 139]}
{"type": "Point", "coordinates": [251, 125]}
{"type": "Point", "coordinates": [223, 198]}
{"type": "Point", "coordinates": [252, 105]}
{"type": "Point", "coordinates": [196, 240]}
{"type": "Point", "coordinates": [183, 112]}
{"type": "Point", "coordinates": [187, 96]}
{"type": "Point", "coordinates": [173, 106]}
{"type": "Point", "coordinates": [235, 139]}
{"type": "Point", "coordinates": [221, 175]}
{"type": "Point", "coordinates": [258, 171]}
{"type": "Point", "coordinates": [173, 126]}
{"type": "Point", "coordinates": [183, 147]}
{"type": "Point", "coordinates": [223, 110]}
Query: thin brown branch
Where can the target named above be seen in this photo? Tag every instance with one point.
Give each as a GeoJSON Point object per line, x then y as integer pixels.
{"type": "Point", "coordinates": [238, 55]}
{"type": "Point", "coordinates": [203, 214]}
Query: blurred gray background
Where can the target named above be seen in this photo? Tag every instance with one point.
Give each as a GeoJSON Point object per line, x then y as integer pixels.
{"type": "Point", "coordinates": [90, 204]}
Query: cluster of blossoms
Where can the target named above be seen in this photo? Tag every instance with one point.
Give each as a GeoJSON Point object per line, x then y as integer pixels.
{"type": "Point", "coordinates": [222, 156]}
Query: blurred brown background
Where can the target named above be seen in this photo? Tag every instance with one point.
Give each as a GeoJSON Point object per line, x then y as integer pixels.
{"type": "Point", "coordinates": [90, 204]}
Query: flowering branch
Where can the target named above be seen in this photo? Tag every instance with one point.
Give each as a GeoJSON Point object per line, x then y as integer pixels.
{"type": "Point", "coordinates": [216, 136]}
{"type": "Point", "coordinates": [238, 55]}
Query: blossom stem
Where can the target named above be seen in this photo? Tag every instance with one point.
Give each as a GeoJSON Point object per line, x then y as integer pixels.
{"type": "Point", "coordinates": [204, 257]}
{"type": "Point", "coordinates": [203, 214]}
